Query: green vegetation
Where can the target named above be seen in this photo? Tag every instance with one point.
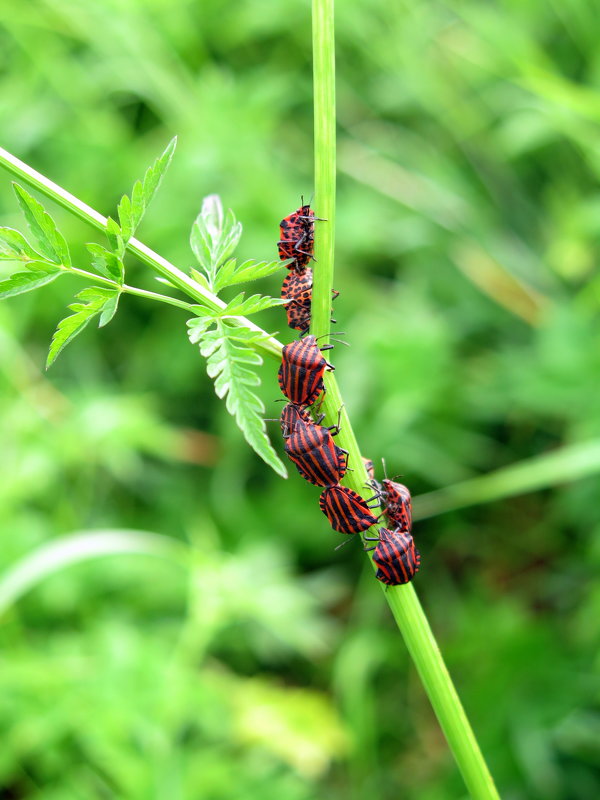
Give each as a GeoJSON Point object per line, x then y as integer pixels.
{"type": "Point", "coordinates": [466, 230]}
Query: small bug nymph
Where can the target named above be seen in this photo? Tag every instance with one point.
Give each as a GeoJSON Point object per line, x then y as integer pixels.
{"type": "Point", "coordinates": [397, 503]}
{"type": "Point", "coordinates": [297, 237]}
{"type": "Point", "coordinates": [297, 288]}
{"type": "Point", "coordinates": [290, 415]}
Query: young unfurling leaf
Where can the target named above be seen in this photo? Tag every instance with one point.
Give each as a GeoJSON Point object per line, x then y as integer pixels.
{"type": "Point", "coordinates": [51, 242]}
{"type": "Point", "coordinates": [214, 236]}
{"type": "Point", "coordinates": [131, 210]}
{"type": "Point", "coordinates": [93, 301]}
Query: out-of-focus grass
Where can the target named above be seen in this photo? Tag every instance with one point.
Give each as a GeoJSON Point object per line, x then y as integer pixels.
{"type": "Point", "coordinates": [467, 229]}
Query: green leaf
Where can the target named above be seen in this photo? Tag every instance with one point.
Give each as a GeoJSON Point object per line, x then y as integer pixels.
{"type": "Point", "coordinates": [114, 236]}
{"type": "Point", "coordinates": [197, 327]}
{"type": "Point", "coordinates": [106, 263]}
{"type": "Point", "coordinates": [126, 219]}
{"type": "Point", "coordinates": [15, 247]}
{"type": "Point", "coordinates": [240, 307]}
{"type": "Point", "coordinates": [132, 210]}
{"type": "Point", "coordinates": [93, 301]}
{"type": "Point", "coordinates": [200, 278]}
{"type": "Point", "coordinates": [214, 236]}
{"type": "Point", "coordinates": [22, 282]}
{"type": "Point", "coordinates": [109, 309]}
{"type": "Point", "coordinates": [230, 360]}
{"type": "Point", "coordinates": [51, 242]}
{"type": "Point", "coordinates": [230, 274]}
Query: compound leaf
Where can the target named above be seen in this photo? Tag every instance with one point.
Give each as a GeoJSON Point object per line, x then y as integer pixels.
{"type": "Point", "coordinates": [230, 359]}
{"type": "Point", "coordinates": [131, 210]}
{"type": "Point", "coordinates": [92, 301]}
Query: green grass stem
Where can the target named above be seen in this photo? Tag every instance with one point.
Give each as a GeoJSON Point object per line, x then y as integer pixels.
{"type": "Point", "coordinates": [563, 465]}
{"type": "Point", "coordinates": [403, 600]}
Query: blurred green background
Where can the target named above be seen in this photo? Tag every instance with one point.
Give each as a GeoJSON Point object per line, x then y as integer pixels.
{"type": "Point", "coordinates": [468, 223]}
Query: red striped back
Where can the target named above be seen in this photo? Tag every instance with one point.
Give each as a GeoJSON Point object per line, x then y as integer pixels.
{"type": "Point", "coordinates": [315, 455]}
{"type": "Point", "coordinates": [301, 372]}
{"type": "Point", "coordinates": [346, 510]}
{"type": "Point", "coordinates": [396, 556]}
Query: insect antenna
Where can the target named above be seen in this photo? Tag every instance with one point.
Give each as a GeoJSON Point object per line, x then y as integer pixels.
{"type": "Point", "coordinates": [345, 542]}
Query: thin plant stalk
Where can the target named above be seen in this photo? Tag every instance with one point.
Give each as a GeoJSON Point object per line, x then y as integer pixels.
{"type": "Point", "coordinates": [403, 600]}
{"type": "Point", "coordinates": [176, 277]}
{"type": "Point", "coordinates": [562, 465]}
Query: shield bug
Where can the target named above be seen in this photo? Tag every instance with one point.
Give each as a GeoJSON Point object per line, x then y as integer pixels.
{"type": "Point", "coordinates": [300, 375]}
{"type": "Point", "coordinates": [346, 510]}
{"type": "Point", "coordinates": [396, 556]}
{"type": "Point", "coordinates": [317, 458]}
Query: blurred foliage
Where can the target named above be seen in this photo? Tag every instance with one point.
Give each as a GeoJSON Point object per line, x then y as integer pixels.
{"type": "Point", "coordinates": [468, 221]}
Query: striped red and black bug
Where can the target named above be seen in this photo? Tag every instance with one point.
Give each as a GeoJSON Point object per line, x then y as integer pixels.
{"type": "Point", "coordinates": [296, 241]}
{"type": "Point", "coordinates": [396, 556]}
{"type": "Point", "coordinates": [300, 375]}
{"type": "Point", "coordinates": [317, 458]}
{"type": "Point", "coordinates": [346, 510]}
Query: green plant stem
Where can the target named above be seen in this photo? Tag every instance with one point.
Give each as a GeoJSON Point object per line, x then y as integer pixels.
{"type": "Point", "coordinates": [325, 168]}
{"type": "Point", "coordinates": [565, 464]}
{"type": "Point", "coordinates": [403, 600]}
{"type": "Point", "coordinates": [126, 289]}
{"type": "Point", "coordinates": [175, 276]}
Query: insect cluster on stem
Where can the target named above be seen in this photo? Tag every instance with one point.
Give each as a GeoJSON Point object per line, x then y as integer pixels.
{"type": "Point", "coordinates": [310, 446]}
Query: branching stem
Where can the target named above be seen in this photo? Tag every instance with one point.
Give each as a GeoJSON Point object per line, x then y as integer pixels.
{"type": "Point", "coordinates": [179, 279]}
{"type": "Point", "coordinates": [126, 289]}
